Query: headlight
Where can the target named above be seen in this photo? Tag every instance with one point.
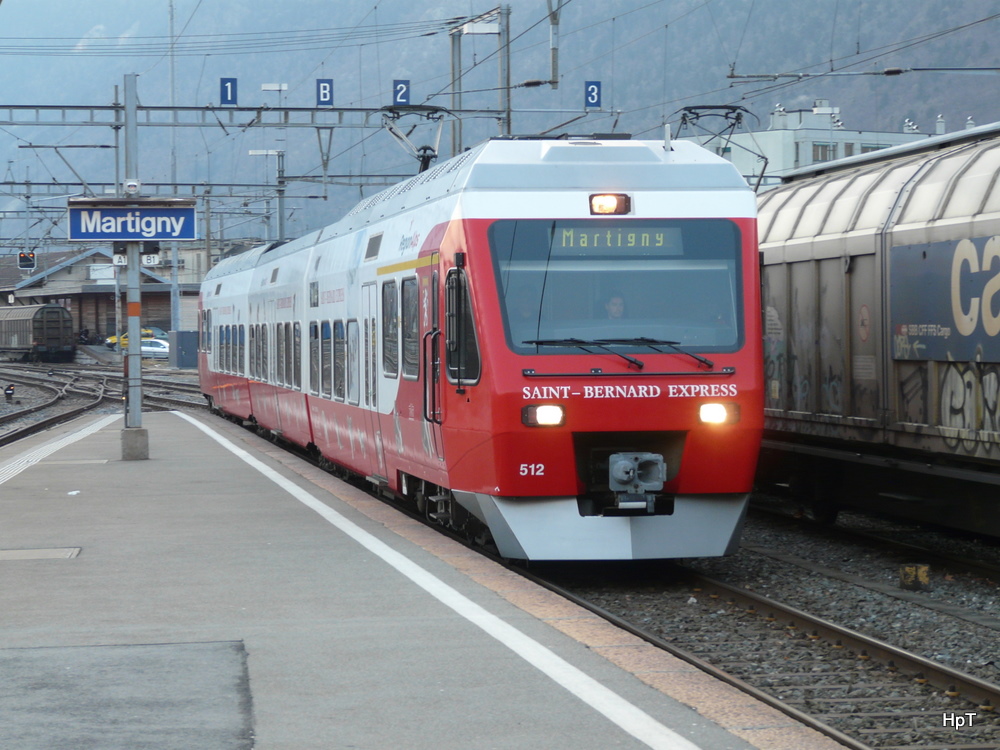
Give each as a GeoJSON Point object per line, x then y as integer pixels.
{"type": "Point", "coordinates": [719, 413]}
{"type": "Point", "coordinates": [543, 415]}
{"type": "Point", "coordinates": [610, 203]}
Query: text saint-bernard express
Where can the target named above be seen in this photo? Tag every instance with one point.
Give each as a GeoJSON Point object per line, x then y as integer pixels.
{"type": "Point", "coordinates": [713, 390]}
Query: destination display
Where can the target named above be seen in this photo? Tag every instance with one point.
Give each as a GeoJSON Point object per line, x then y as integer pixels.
{"type": "Point", "coordinates": [623, 236]}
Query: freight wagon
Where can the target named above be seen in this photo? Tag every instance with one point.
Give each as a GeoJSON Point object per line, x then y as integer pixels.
{"type": "Point", "coordinates": [37, 333]}
{"type": "Point", "coordinates": [881, 289]}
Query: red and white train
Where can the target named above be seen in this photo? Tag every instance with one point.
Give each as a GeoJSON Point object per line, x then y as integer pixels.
{"type": "Point", "coordinates": [557, 340]}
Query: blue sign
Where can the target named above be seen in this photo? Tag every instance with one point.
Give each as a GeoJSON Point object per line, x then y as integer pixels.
{"type": "Point", "coordinates": [324, 92]}
{"type": "Point", "coordinates": [945, 300]}
{"type": "Point", "coordinates": [227, 91]}
{"type": "Point", "coordinates": [109, 224]}
{"type": "Point", "coordinates": [591, 94]}
{"type": "Point", "coordinates": [401, 93]}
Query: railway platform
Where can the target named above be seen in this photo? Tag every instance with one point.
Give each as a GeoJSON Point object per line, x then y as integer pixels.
{"type": "Point", "coordinates": [224, 594]}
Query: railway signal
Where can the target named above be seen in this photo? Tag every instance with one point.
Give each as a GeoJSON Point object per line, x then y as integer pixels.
{"type": "Point", "coordinates": [26, 259]}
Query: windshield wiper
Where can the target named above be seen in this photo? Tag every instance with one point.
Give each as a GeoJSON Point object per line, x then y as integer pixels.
{"type": "Point", "coordinates": [583, 344]}
{"type": "Point", "coordinates": [654, 343]}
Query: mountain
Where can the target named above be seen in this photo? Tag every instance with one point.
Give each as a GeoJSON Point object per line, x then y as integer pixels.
{"type": "Point", "coordinates": [652, 58]}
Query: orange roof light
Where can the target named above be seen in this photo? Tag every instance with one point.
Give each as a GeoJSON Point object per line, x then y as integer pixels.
{"type": "Point", "coordinates": [610, 203]}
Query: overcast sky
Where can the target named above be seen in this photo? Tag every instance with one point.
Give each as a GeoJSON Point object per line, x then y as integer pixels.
{"type": "Point", "coordinates": [652, 57]}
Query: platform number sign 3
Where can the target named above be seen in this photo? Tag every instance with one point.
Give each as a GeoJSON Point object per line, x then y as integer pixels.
{"type": "Point", "coordinates": [401, 93]}
{"type": "Point", "coordinates": [592, 94]}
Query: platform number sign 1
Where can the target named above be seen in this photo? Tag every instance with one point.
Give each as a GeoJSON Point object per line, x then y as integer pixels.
{"type": "Point", "coordinates": [227, 91]}
{"type": "Point", "coordinates": [592, 94]}
{"type": "Point", "coordinates": [324, 92]}
{"type": "Point", "coordinates": [401, 93]}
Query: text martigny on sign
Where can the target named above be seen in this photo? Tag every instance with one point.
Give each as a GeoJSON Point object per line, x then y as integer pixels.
{"type": "Point", "coordinates": [111, 221]}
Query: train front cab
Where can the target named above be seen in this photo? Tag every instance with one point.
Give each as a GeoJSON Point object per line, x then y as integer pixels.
{"type": "Point", "coordinates": [544, 400]}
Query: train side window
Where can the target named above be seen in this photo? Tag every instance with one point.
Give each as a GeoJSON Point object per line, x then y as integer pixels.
{"type": "Point", "coordinates": [279, 353]}
{"type": "Point", "coordinates": [217, 349]}
{"type": "Point", "coordinates": [265, 372]}
{"type": "Point", "coordinates": [374, 243]}
{"type": "Point", "coordinates": [326, 353]}
{"type": "Point", "coordinates": [339, 360]}
{"type": "Point", "coordinates": [255, 353]}
{"type": "Point", "coordinates": [241, 351]}
{"type": "Point", "coordinates": [297, 355]}
{"type": "Point", "coordinates": [369, 343]}
{"type": "Point", "coordinates": [314, 358]}
{"type": "Point", "coordinates": [411, 328]}
{"type": "Point", "coordinates": [224, 346]}
{"type": "Point", "coordinates": [353, 362]}
{"type": "Point", "coordinates": [462, 350]}
{"type": "Point", "coordinates": [390, 330]}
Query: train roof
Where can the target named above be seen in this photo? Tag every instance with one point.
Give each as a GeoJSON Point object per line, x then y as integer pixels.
{"type": "Point", "coordinates": [515, 163]}
{"type": "Point", "coordinates": [947, 179]}
{"type": "Point", "coordinates": [538, 163]}
{"type": "Point", "coordinates": [928, 145]}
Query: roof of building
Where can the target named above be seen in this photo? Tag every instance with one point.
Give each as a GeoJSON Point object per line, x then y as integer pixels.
{"type": "Point", "coordinates": [13, 278]}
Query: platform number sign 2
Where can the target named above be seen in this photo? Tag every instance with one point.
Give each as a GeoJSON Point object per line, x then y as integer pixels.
{"type": "Point", "coordinates": [401, 93]}
{"type": "Point", "coordinates": [227, 91]}
{"type": "Point", "coordinates": [592, 94]}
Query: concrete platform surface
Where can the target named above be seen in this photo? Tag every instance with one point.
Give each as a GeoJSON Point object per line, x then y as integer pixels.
{"type": "Point", "coordinates": [224, 594]}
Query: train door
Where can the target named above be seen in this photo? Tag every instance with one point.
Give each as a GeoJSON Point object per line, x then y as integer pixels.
{"type": "Point", "coordinates": [432, 386]}
{"type": "Point", "coordinates": [369, 369]}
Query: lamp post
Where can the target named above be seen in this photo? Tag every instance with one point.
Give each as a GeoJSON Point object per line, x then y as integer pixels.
{"type": "Point", "coordinates": [281, 185]}
{"type": "Point", "coordinates": [281, 88]}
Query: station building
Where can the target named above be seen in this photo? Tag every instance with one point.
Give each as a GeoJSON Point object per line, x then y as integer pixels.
{"type": "Point", "coordinates": [88, 283]}
{"type": "Point", "coordinates": [800, 138]}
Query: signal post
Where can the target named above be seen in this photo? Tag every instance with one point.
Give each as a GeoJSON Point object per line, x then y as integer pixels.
{"type": "Point", "coordinates": [130, 223]}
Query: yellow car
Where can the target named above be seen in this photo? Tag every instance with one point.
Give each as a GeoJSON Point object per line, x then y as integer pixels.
{"type": "Point", "coordinates": [148, 332]}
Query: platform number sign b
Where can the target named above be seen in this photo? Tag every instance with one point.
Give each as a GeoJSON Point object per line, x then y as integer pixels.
{"type": "Point", "coordinates": [324, 92]}
{"type": "Point", "coordinates": [592, 94]}
{"type": "Point", "coordinates": [401, 93]}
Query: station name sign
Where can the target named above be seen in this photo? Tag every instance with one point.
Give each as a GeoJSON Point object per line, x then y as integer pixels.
{"type": "Point", "coordinates": [136, 219]}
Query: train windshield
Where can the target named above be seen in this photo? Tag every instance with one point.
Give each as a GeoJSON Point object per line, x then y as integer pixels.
{"type": "Point", "coordinates": [627, 282]}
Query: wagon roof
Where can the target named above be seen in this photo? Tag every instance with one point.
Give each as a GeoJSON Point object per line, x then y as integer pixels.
{"type": "Point", "coordinates": [20, 312]}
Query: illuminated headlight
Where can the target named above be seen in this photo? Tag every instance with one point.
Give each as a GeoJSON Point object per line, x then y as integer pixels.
{"type": "Point", "coordinates": [719, 413]}
{"type": "Point", "coordinates": [610, 203]}
{"type": "Point", "coordinates": [543, 415]}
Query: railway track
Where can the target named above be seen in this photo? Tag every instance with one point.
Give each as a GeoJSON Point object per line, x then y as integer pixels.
{"type": "Point", "coordinates": [862, 691]}
{"type": "Point", "coordinates": [59, 393]}
{"type": "Point", "coordinates": [980, 556]}
{"type": "Point", "coordinates": [859, 690]}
